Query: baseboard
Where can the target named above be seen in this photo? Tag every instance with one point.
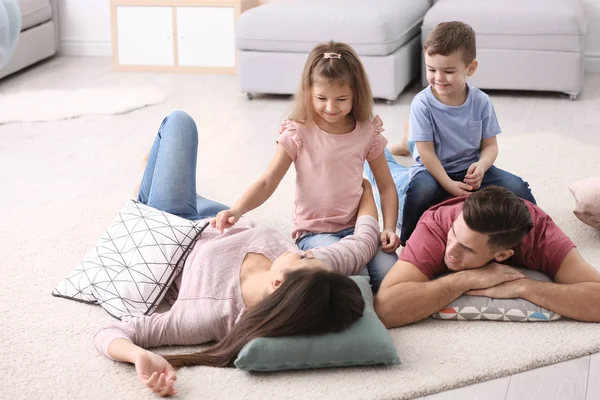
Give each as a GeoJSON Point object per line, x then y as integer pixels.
{"type": "Point", "coordinates": [592, 62]}
{"type": "Point", "coordinates": [79, 48]}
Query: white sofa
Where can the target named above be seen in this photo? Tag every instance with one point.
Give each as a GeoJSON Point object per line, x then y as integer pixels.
{"type": "Point", "coordinates": [521, 44]}
{"type": "Point", "coordinates": [275, 39]}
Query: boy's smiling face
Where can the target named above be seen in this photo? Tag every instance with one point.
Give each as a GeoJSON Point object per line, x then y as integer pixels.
{"type": "Point", "coordinates": [447, 75]}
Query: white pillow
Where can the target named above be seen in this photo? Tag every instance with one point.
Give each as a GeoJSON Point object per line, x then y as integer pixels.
{"type": "Point", "coordinates": [130, 269]}
{"type": "Point", "coordinates": [587, 198]}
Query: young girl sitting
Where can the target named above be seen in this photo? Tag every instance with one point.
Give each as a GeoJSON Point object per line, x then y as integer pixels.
{"type": "Point", "coordinates": [330, 134]}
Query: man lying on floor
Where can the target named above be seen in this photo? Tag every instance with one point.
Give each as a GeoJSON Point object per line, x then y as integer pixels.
{"type": "Point", "coordinates": [471, 236]}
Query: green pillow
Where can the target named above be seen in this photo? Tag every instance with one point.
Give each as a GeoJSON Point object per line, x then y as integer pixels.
{"type": "Point", "coordinates": [366, 342]}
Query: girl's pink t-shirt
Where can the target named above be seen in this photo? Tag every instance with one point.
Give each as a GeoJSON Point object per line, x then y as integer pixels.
{"type": "Point", "coordinates": [329, 171]}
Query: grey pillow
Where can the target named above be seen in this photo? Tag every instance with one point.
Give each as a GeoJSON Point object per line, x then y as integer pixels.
{"type": "Point", "coordinates": [366, 342]}
{"type": "Point", "coordinates": [468, 308]}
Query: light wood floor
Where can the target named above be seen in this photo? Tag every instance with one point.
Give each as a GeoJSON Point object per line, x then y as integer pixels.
{"type": "Point", "coordinates": [519, 113]}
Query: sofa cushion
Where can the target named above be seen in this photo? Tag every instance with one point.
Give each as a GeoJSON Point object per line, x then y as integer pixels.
{"type": "Point", "coordinates": [376, 27]}
{"type": "Point", "coordinates": [34, 12]}
{"type": "Point", "coordinates": [552, 25]}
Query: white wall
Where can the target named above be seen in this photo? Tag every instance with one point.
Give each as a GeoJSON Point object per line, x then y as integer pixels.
{"type": "Point", "coordinates": [592, 48]}
{"type": "Point", "coordinates": [85, 29]}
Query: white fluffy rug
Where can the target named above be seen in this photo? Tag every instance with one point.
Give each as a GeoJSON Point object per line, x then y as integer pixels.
{"type": "Point", "coordinates": [51, 105]}
{"type": "Point", "coordinates": [70, 196]}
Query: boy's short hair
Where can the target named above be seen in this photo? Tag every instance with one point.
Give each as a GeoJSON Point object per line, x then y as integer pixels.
{"type": "Point", "coordinates": [448, 37]}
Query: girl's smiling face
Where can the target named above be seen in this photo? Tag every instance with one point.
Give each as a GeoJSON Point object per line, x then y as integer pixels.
{"type": "Point", "coordinates": [332, 101]}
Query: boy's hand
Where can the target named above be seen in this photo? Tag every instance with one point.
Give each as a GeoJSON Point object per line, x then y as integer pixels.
{"type": "Point", "coordinates": [474, 175]}
{"type": "Point", "coordinates": [389, 241]}
{"type": "Point", "coordinates": [457, 188]}
{"type": "Point", "coordinates": [225, 219]}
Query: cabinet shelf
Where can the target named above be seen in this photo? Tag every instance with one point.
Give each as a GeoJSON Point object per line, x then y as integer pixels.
{"type": "Point", "coordinates": [176, 35]}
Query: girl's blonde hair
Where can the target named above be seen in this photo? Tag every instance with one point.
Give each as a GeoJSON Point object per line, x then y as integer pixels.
{"type": "Point", "coordinates": [345, 70]}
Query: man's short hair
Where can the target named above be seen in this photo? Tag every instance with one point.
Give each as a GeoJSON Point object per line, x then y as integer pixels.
{"type": "Point", "coordinates": [448, 37]}
{"type": "Point", "coordinates": [498, 213]}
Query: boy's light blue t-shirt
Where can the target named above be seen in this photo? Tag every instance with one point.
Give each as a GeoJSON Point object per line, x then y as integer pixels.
{"type": "Point", "coordinates": [456, 132]}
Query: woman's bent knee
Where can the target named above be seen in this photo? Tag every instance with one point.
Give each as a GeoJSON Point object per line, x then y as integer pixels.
{"type": "Point", "coordinates": [180, 117]}
{"type": "Point", "coordinates": [180, 124]}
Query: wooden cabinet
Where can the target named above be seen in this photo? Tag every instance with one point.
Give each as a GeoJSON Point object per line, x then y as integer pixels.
{"type": "Point", "coordinates": [206, 36]}
{"type": "Point", "coordinates": [176, 35]}
{"type": "Point", "coordinates": [145, 35]}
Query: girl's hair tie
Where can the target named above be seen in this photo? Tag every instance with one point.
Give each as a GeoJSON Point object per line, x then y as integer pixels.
{"type": "Point", "coordinates": [332, 55]}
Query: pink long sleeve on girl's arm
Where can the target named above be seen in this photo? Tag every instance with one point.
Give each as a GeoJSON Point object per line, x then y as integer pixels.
{"type": "Point", "coordinates": [352, 253]}
{"type": "Point", "coordinates": [189, 322]}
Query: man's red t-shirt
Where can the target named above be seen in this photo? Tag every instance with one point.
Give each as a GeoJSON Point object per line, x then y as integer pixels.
{"type": "Point", "coordinates": [543, 249]}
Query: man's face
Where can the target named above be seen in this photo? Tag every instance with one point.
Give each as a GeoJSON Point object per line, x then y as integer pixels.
{"type": "Point", "coordinates": [465, 248]}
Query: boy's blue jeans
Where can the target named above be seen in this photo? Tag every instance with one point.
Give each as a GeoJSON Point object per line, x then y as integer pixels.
{"type": "Point", "coordinates": [417, 195]}
{"type": "Point", "coordinates": [424, 191]}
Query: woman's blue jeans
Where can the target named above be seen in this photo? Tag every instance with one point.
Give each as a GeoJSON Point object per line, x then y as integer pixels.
{"type": "Point", "coordinates": [169, 182]}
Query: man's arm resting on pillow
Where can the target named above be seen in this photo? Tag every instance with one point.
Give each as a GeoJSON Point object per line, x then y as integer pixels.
{"type": "Point", "coordinates": [576, 293]}
{"type": "Point", "coordinates": [407, 295]}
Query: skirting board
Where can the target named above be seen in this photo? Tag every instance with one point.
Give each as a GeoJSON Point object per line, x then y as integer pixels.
{"type": "Point", "coordinates": [592, 62]}
{"type": "Point", "coordinates": [81, 48]}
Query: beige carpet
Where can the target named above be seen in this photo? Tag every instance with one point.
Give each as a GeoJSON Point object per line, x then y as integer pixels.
{"type": "Point", "coordinates": [67, 197]}
{"type": "Point", "coordinates": [51, 105]}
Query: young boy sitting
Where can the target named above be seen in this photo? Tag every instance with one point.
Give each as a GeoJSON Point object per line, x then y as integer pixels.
{"type": "Point", "coordinates": [454, 127]}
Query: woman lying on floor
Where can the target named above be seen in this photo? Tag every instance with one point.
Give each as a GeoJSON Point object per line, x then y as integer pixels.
{"type": "Point", "coordinates": [246, 283]}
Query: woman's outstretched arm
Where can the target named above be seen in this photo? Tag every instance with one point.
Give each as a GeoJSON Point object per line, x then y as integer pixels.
{"type": "Point", "coordinates": [152, 370]}
{"type": "Point", "coordinates": [189, 322]}
{"type": "Point", "coordinates": [352, 253]}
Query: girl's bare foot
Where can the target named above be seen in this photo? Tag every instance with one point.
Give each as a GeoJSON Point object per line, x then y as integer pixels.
{"type": "Point", "coordinates": [402, 148]}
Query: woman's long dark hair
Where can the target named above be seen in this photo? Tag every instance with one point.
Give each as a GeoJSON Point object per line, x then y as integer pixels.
{"type": "Point", "coordinates": [308, 302]}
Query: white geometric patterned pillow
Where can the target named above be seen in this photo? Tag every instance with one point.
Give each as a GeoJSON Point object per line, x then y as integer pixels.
{"type": "Point", "coordinates": [474, 308]}
{"type": "Point", "coordinates": [133, 264]}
